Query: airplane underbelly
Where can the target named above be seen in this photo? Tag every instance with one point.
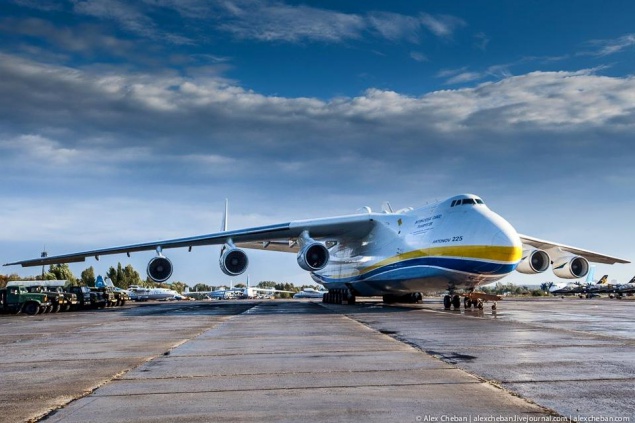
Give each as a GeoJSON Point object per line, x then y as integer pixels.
{"type": "Point", "coordinates": [419, 274]}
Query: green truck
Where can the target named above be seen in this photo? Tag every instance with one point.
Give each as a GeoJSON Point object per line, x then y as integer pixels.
{"type": "Point", "coordinates": [87, 297]}
{"type": "Point", "coordinates": [58, 300]}
{"type": "Point", "coordinates": [114, 296]}
{"type": "Point", "coordinates": [16, 299]}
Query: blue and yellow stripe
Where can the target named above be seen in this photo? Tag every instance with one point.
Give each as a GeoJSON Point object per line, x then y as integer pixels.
{"type": "Point", "coordinates": [474, 259]}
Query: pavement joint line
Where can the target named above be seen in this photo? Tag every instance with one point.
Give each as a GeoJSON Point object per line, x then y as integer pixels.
{"type": "Point", "coordinates": [329, 352]}
{"type": "Point", "coordinates": [449, 367]}
{"type": "Point", "coordinates": [295, 388]}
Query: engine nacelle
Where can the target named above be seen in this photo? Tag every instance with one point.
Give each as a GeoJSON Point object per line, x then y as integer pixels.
{"type": "Point", "coordinates": [313, 256]}
{"type": "Point", "coordinates": [233, 261]}
{"type": "Point", "coordinates": [534, 261]}
{"type": "Point", "coordinates": [571, 267]}
{"type": "Point", "coordinates": [159, 269]}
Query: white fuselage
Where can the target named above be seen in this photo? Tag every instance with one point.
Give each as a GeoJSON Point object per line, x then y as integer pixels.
{"type": "Point", "coordinates": [310, 293]}
{"type": "Point", "coordinates": [455, 244]}
{"type": "Point", "coordinates": [152, 293]}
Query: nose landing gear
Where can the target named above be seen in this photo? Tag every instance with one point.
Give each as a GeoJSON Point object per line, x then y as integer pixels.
{"type": "Point", "coordinates": [471, 299]}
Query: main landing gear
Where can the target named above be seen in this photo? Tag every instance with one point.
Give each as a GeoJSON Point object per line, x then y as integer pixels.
{"type": "Point", "coordinates": [338, 296]}
{"type": "Point", "coordinates": [472, 299]}
{"type": "Point", "coordinates": [414, 298]}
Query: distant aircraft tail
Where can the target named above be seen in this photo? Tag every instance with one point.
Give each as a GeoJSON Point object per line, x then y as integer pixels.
{"type": "Point", "coordinates": [632, 280]}
{"type": "Point", "coordinates": [589, 276]}
{"type": "Point", "coordinates": [604, 280]}
{"type": "Point", "coordinates": [101, 283]}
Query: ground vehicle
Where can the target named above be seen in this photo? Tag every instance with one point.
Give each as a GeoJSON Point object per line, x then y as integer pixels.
{"type": "Point", "coordinates": [86, 297]}
{"type": "Point", "coordinates": [108, 297]}
{"type": "Point", "coordinates": [16, 299]}
{"type": "Point", "coordinates": [58, 300]}
{"type": "Point", "coordinates": [71, 299]}
{"type": "Point", "coordinates": [120, 295]}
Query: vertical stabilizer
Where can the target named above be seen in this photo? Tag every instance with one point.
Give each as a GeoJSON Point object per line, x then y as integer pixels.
{"type": "Point", "coordinates": [603, 280]}
{"type": "Point", "coordinates": [101, 283]}
{"type": "Point", "coordinates": [632, 280]}
{"type": "Point", "coordinates": [589, 276]}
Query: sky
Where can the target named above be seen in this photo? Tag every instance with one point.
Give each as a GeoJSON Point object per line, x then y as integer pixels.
{"type": "Point", "coordinates": [132, 121]}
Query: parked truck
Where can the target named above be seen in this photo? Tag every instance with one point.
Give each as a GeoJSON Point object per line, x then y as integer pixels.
{"type": "Point", "coordinates": [87, 297]}
{"type": "Point", "coordinates": [114, 296]}
{"type": "Point", "coordinates": [57, 299]}
{"type": "Point", "coordinates": [106, 296]}
{"type": "Point", "coordinates": [16, 299]}
{"type": "Point", "coordinates": [71, 298]}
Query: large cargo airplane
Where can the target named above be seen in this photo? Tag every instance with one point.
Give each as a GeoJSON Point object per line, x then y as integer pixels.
{"type": "Point", "coordinates": [457, 245]}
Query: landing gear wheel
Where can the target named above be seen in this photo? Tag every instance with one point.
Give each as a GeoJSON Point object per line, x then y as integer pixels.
{"type": "Point", "coordinates": [456, 302]}
{"type": "Point", "coordinates": [447, 302]}
{"type": "Point", "coordinates": [480, 304]}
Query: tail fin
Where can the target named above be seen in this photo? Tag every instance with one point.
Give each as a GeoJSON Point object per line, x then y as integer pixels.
{"type": "Point", "coordinates": [632, 280]}
{"type": "Point", "coordinates": [589, 276]}
{"type": "Point", "coordinates": [101, 283]}
{"type": "Point", "coordinates": [603, 280]}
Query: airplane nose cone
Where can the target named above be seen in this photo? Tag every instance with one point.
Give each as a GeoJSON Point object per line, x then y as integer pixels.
{"type": "Point", "coordinates": [506, 240]}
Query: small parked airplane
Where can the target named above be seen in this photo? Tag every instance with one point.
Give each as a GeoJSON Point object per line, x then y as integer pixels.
{"type": "Point", "coordinates": [310, 293]}
{"type": "Point", "coordinates": [231, 293]}
{"type": "Point", "coordinates": [457, 244]}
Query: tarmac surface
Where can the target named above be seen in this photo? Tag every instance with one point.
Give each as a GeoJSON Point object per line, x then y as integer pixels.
{"type": "Point", "coordinates": [287, 361]}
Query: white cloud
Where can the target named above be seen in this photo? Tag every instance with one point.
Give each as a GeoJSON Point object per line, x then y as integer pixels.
{"type": "Point", "coordinates": [176, 106]}
{"type": "Point", "coordinates": [441, 25]}
{"type": "Point", "coordinates": [130, 17]}
{"type": "Point", "coordinates": [418, 56]}
{"type": "Point", "coordinates": [613, 46]}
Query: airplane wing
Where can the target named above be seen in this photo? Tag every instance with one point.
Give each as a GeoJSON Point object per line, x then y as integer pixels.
{"type": "Point", "coordinates": [276, 236]}
{"type": "Point", "coordinates": [589, 255]}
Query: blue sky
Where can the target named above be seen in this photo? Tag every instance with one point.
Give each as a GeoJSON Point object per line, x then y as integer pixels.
{"type": "Point", "coordinates": [129, 121]}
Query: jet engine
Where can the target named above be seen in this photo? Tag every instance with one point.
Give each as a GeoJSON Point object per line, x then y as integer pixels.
{"type": "Point", "coordinates": [534, 261]}
{"type": "Point", "coordinates": [571, 267]}
{"type": "Point", "coordinates": [233, 261]}
{"type": "Point", "coordinates": [313, 256]}
{"type": "Point", "coordinates": [159, 269]}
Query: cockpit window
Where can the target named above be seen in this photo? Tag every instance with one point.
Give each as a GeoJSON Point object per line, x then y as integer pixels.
{"type": "Point", "coordinates": [466, 201]}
